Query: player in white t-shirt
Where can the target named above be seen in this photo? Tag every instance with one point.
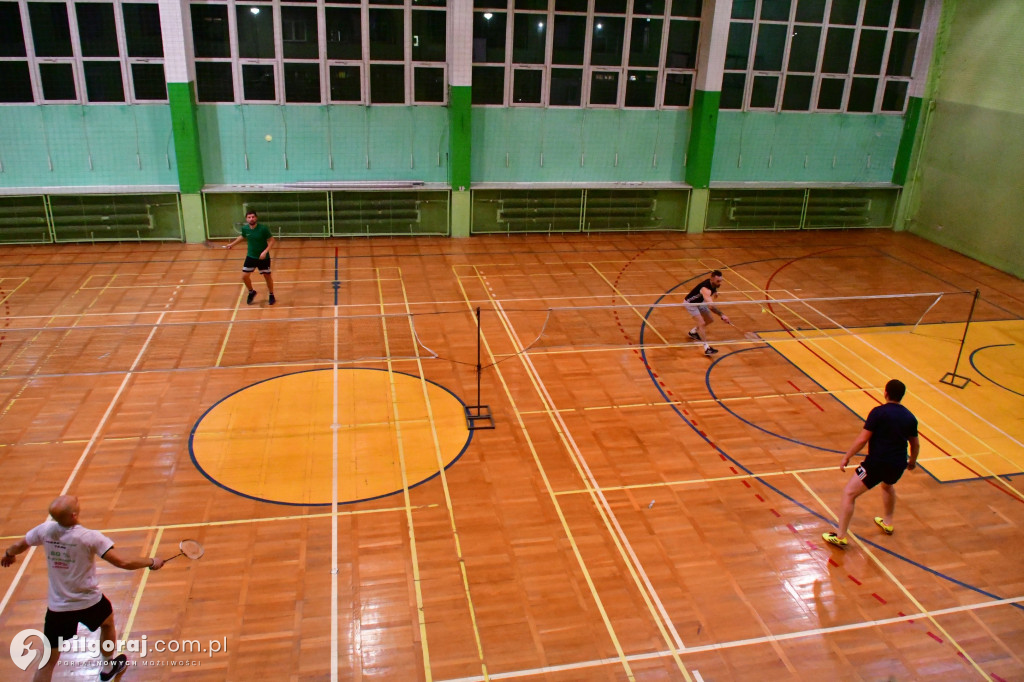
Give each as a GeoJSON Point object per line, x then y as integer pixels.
{"type": "Point", "coordinates": [74, 595]}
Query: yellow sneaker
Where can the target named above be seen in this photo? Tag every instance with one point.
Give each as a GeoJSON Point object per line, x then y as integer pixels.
{"type": "Point", "coordinates": [833, 539]}
{"type": "Point", "coordinates": [880, 522]}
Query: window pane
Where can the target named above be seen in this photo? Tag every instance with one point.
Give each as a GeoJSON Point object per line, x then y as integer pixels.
{"type": "Point", "coordinates": [387, 83]}
{"type": "Point", "coordinates": [862, 94]}
{"type": "Point", "coordinates": [810, 10]}
{"type": "Point", "coordinates": [527, 86]}
{"type": "Point", "coordinates": [58, 81]}
{"type": "Point", "coordinates": [604, 87]}
{"type": "Point", "coordinates": [258, 82]}
{"type": "Point", "coordinates": [641, 88]}
{"type": "Point", "coordinates": [149, 82]}
{"type": "Point", "coordinates": [838, 46]}
{"type": "Point", "coordinates": [830, 93]}
{"type": "Point", "coordinates": [606, 44]}
{"type": "Point", "coordinates": [17, 84]}
{"type": "Point", "coordinates": [732, 90]}
{"type": "Point", "coordinates": [844, 12]}
{"type": "Point", "coordinates": [901, 54]}
{"type": "Point", "coordinates": [51, 32]}
{"type": "Point", "coordinates": [213, 81]}
{"type": "Point", "coordinates": [12, 41]}
{"type": "Point", "coordinates": [493, 4]}
{"type": "Point", "coordinates": [645, 42]}
{"type": "Point", "coordinates": [686, 8]}
{"type": "Point", "coordinates": [869, 53]}
{"type": "Point", "coordinates": [610, 6]}
{"type": "Point", "coordinates": [771, 45]}
{"type": "Point", "coordinates": [566, 87]}
{"type": "Point", "coordinates": [488, 85]}
{"type": "Point", "coordinates": [299, 33]}
{"type": "Point", "coordinates": [571, 5]}
{"type": "Point", "coordinates": [895, 96]}
{"type": "Point", "coordinates": [678, 87]}
{"type": "Point", "coordinates": [344, 39]}
{"type": "Point", "coordinates": [96, 32]}
{"type": "Point", "coordinates": [743, 9]}
{"type": "Point", "coordinates": [103, 81]}
{"type": "Point", "coordinates": [428, 84]}
{"type": "Point", "coordinates": [210, 31]}
{"type": "Point", "coordinates": [737, 50]}
{"type": "Point", "coordinates": [489, 37]}
{"type": "Point", "coordinates": [908, 13]}
{"type": "Point", "coordinates": [775, 10]}
{"type": "Point", "coordinates": [803, 51]}
{"type": "Point", "coordinates": [428, 36]}
{"type": "Point", "coordinates": [528, 38]}
{"type": "Point", "coordinates": [301, 82]}
{"type": "Point", "coordinates": [255, 31]}
{"type": "Point", "coordinates": [142, 30]}
{"type": "Point", "coordinates": [797, 96]}
{"type": "Point", "coordinates": [649, 7]}
{"type": "Point", "coordinates": [531, 4]}
{"type": "Point", "coordinates": [570, 35]}
{"type": "Point", "coordinates": [345, 84]}
{"type": "Point", "coordinates": [764, 91]}
{"type": "Point", "coordinates": [877, 13]}
{"type": "Point", "coordinates": [386, 35]}
{"type": "Point", "coordinates": [682, 45]}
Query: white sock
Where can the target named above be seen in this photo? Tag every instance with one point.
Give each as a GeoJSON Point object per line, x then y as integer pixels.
{"type": "Point", "coordinates": [706, 346]}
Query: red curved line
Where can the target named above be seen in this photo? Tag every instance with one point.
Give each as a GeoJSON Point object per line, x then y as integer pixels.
{"type": "Point", "coordinates": [788, 330]}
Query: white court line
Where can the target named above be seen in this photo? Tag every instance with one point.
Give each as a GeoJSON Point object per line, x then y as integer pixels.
{"type": "Point", "coordinates": [334, 512]}
{"type": "Point", "coordinates": [741, 642]}
{"type": "Point", "coordinates": [696, 676]}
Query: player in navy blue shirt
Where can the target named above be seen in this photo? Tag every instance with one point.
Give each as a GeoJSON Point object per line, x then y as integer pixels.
{"type": "Point", "coordinates": [889, 429]}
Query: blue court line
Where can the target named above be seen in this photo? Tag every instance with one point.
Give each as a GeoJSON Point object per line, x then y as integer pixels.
{"type": "Point", "coordinates": [707, 379]}
{"type": "Point", "coordinates": [337, 282]}
{"type": "Point", "coordinates": [983, 375]}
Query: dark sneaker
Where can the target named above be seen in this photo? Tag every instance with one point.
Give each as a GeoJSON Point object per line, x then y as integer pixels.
{"type": "Point", "coordinates": [710, 351]}
{"type": "Point", "coordinates": [693, 335]}
{"type": "Point", "coordinates": [880, 522]}
{"type": "Point", "coordinates": [833, 539]}
{"type": "Point", "coordinates": [250, 297]}
{"type": "Point", "coordinates": [117, 666]}
{"type": "Point", "coordinates": [272, 300]}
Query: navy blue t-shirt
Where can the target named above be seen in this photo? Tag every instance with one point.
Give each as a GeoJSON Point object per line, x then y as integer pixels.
{"type": "Point", "coordinates": [891, 426]}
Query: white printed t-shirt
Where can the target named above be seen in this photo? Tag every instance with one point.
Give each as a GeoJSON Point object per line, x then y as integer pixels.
{"type": "Point", "coordinates": [69, 555]}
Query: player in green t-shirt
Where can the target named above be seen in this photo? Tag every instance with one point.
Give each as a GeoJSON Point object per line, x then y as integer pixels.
{"type": "Point", "coordinates": [259, 240]}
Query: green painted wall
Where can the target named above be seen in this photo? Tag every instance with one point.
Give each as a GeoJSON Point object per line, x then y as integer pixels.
{"type": "Point", "coordinates": [970, 174]}
{"type": "Point", "coordinates": [578, 145]}
{"type": "Point", "coordinates": [771, 147]}
{"type": "Point", "coordinates": [910, 123]}
{"type": "Point", "coordinates": [701, 150]}
{"type": "Point", "coordinates": [401, 143]}
{"type": "Point", "coordinates": [461, 135]}
{"type": "Point", "coordinates": [129, 145]}
{"type": "Point", "coordinates": [186, 136]}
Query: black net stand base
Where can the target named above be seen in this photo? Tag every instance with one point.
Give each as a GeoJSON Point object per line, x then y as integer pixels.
{"type": "Point", "coordinates": [479, 417]}
{"type": "Point", "coordinates": [955, 380]}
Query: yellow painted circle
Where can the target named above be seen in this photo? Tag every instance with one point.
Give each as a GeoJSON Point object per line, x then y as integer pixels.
{"type": "Point", "coordinates": [274, 440]}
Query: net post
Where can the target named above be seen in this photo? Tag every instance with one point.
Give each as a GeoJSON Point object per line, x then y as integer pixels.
{"type": "Point", "coordinates": [952, 378]}
{"type": "Point", "coordinates": [478, 416]}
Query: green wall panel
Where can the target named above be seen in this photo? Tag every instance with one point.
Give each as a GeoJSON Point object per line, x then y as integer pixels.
{"type": "Point", "coordinates": [127, 145]}
{"type": "Point", "coordinates": [461, 135]}
{"type": "Point", "coordinates": [578, 145]}
{"type": "Point", "coordinates": [186, 136]}
{"type": "Point", "coordinates": [701, 151]}
{"type": "Point", "coordinates": [771, 147]}
{"type": "Point", "coordinates": [397, 143]}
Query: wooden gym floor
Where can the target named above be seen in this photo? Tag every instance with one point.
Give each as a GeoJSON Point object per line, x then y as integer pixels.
{"type": "Point", "coordinates": [639, 511]}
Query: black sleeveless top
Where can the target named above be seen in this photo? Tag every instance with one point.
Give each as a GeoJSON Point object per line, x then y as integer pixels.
{"type": "Point", "coordinates": [696, 297]}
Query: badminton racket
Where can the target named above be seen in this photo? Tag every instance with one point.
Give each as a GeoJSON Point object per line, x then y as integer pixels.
{"type": "Point", "coordinates": [190, 548]}
{"type": "Point", "coordinates": [749, 335]}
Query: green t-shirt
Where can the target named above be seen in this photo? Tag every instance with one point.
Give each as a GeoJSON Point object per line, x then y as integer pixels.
{"type": "Point", "coordinates": [256, 238]}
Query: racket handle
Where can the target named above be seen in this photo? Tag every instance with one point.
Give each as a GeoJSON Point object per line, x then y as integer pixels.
{"type": "Point", "coordinates": [174, 557]}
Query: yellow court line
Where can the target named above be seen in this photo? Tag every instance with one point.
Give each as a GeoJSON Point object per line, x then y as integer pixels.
{"type": "Point", "coordinates": [208, 285]}
{"type": "Point", "coordinates": [334, 501]}
{"type": "Point", "coordinates": [633, 308]}
{"type": "Point", "coordinates": [547, 484]}
{"type": "Point", "coordinates": [227, 332]}
{"type": "Point", "coordinates": [127, 629]}
{"type": "Point", "coordinates": [896, 581]}
{"type": "Point", "coordinates": [417, 585]}
{"type": "Point", "coordinates": [10, 293]}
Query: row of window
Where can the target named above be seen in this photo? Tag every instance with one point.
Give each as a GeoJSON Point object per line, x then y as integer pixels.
{"type": "Point", "coordinates": [80, 51]}
{"type": "Point", "coordinates": [791, 55]}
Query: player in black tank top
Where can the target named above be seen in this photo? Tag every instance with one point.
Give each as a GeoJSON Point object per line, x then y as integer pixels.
{"type": "Point", "coordinates": [701, 299]}
{"type": "Point", "coordinates": [887, 432]}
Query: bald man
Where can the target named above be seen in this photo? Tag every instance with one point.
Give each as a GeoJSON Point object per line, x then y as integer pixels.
{"type": "Point", "coordinates": [74, 595]}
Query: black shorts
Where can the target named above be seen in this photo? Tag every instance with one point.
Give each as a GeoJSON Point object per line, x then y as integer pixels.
{"type": "Point", "coordinates": [261, 264]}
{"type": "Point", "coordinates": [65, 623]}
{"type": "Point", "coordinates": [874, 471]}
